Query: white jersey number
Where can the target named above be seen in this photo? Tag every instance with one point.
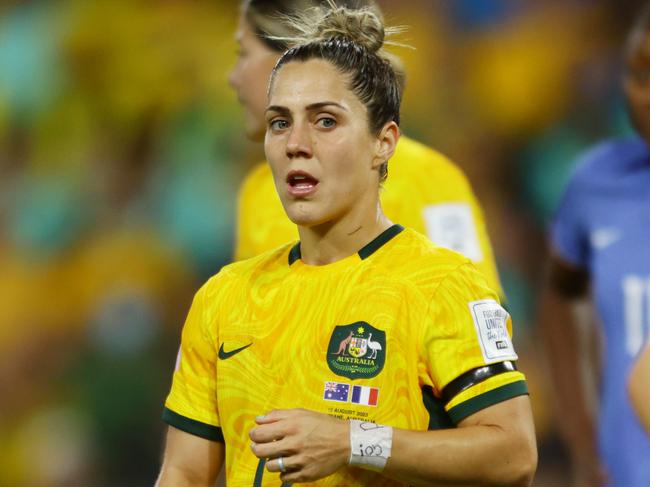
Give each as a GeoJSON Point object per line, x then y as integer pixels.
{"type": "Point", "coordinates": [636, 312]}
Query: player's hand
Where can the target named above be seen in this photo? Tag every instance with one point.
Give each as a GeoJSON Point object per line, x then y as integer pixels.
{"type": "Point", "coordinates": [312, 445]}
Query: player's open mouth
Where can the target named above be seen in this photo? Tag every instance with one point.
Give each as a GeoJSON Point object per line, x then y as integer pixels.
{"type": "Point", "coordinates": [301, 183]}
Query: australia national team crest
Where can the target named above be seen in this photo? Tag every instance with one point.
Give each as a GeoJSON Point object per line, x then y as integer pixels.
{"type": "Point", "coordinates": [357, 351]}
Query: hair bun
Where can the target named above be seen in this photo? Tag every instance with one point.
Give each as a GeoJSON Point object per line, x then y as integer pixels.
{"type": "Point", "coordinates": [361, 26]}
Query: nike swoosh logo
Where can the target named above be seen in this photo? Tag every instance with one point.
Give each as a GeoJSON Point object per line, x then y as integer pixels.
{"type": "Point", "coordinates": [223, 355]}
{"type": "Point", "coordinates": [604, 237]}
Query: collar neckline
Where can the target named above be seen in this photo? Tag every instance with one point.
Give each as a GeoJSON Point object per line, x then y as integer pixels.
{"type": "Point", "coordinates": [366, 251]}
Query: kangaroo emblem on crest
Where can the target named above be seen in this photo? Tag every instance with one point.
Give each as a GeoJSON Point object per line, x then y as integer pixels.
{"type": "Point", "coordinates": [344, 345]}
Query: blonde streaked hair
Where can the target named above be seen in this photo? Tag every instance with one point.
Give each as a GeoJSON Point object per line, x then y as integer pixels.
{"type": "Point", "coordinates": [279, 24]}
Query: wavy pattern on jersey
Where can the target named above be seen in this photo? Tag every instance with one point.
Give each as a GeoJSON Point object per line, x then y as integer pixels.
{"type": "Point", "coordinates": [415, 293]}
{"type": "Point", "coordinates": [291, 332]}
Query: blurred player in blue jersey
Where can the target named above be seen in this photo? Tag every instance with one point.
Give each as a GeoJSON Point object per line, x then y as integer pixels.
{"type": "Point", "coordinates": [601, 249]}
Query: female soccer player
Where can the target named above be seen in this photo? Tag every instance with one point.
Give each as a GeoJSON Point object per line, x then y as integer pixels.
{"type": "Point", "coordinates": [363, 355]}
{"type": "Point", "coordinates": [600, 250]}
{"type": "Point", "coordinates": [425, 191]}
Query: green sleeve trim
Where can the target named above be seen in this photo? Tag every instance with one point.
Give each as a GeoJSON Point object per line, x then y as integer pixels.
{"type": "Point", "coordinates": [193, 427]}
{"type": "Point", "coordinates": [487, 399]}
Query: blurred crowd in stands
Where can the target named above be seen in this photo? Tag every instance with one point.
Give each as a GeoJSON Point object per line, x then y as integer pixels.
{"type": "Point", "coordinates": [121, 150]}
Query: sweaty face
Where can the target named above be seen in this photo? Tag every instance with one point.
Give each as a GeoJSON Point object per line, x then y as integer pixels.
{"type": "Point", "coordinates": [637, 85]}
{"type": "Point", "coordinates": [319, 145]}
{"type": "Point", "coordinates": [250, 76]}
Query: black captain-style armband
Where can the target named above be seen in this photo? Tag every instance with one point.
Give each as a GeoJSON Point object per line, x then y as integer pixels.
{"type": "Point", "coordinates": [475, 376]}
{"type": "Point", "coordinates": [489, 398]}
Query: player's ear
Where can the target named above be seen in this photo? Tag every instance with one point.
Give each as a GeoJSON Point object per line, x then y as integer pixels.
{"type": "Point", "coordinates": [386, 144]}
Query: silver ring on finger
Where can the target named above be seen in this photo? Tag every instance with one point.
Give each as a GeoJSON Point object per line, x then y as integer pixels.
{"type": "Point", "coordinates": [283, 469]}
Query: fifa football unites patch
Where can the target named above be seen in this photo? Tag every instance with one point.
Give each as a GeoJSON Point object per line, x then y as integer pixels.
{"type": "Point", "coordinates": [366, 396]}
{"type": "Point", "coordinates": [490, 321]}
{"type": "Point", "coordinates": [336, 391]}
{"type": "Point", "coordinates": [357, 351]}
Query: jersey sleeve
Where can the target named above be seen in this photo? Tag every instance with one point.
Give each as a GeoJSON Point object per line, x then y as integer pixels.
{"type": "Point", "coordinates": [569, 235]}
{"type": "Point", "coordinates": [191, 405]}
{"type": "Point", "coordinates": [468, 347]}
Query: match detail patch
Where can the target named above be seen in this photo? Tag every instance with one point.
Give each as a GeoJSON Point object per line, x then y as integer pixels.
{"type": "Point", "coordinates": [341, 392]}
{"type": "Point", "coordinates": [490, 321]}
{"type": "Point", "coordinates": [452, 226]}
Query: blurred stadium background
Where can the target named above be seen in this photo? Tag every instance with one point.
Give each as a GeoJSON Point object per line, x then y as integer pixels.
{"type": "Point", "coordinates": [121, 151]}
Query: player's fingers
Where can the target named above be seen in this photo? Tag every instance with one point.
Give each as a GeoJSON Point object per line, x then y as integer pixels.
{"type": "Point", "coordinates": [272, 449]}
{"type": "Point", "coordinates": [286, 465]}
{"type": "Point", "coordinates": [275, 415]}
{"type": "Point", "coordinates": [267, 432]}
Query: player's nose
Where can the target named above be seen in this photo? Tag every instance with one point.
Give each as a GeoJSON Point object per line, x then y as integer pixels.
{"type": "Point", "coordinates": [299, 142]}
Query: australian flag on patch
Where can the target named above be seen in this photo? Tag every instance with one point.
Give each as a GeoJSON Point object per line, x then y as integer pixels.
{"type": "Point", "coordinates": [336, 391]}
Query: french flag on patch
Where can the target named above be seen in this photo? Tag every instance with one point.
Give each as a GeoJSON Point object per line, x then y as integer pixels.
{"type": "Point", "coordinates": [366, 396]}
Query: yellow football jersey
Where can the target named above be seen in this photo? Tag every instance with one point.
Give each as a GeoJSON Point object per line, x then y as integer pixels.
{"type": "Point", "coordinates": [424, 191]}
{"type": "Point", "coordinates": [402, 333]}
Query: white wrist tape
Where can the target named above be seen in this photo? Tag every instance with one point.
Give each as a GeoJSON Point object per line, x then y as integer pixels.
{"type": "Point", "coordinates": [370, 444]}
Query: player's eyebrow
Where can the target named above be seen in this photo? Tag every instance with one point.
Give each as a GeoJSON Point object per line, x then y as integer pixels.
{"type": "Point", "coordinates": [278, 109]}
{"type": "Point", "coordinates": [323, 104]}
{"type": "Point", "coordinates": [312, 107]}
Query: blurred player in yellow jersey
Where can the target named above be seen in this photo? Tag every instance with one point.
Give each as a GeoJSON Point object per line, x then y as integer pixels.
{"type": "Point", "coordinates": [425, 191]}
{"type": "Point", "coordinates": [363, 355]}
